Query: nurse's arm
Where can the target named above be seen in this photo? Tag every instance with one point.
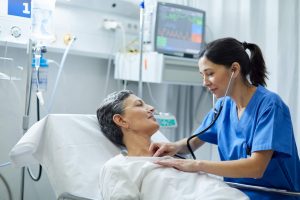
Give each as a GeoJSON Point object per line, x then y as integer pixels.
{"type": "Point", "coordinates": [252, 167]}
{"type": "Point", "coordinates": [195, 143]}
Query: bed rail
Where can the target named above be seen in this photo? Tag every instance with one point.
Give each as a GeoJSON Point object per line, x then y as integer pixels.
{"type": "Point", "coordinates": [68, 196]}
{"type": "Point", "coordinates": [263, 189]}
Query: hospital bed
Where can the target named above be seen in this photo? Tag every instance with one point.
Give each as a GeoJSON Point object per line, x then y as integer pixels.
{"type": "Point", "coordinates": [72, 149]}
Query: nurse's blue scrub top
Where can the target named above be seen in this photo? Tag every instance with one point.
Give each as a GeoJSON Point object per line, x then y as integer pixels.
{"type": "Point", "coordinates": [264, 125]}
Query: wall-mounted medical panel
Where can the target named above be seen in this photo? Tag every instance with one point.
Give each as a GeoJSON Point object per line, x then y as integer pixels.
{"type": "Point", "coordinates": [157, 68]}
{"type": "Point", "coordinates": [15, 21]}
{"type": "Point", "coordinates": [15, 30]}
{"type": "Point", "coordinates": [181, 71]}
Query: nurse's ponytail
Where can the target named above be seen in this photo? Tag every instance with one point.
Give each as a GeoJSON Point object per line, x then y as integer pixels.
{"type": "Point", "coordinates": [258, 71]}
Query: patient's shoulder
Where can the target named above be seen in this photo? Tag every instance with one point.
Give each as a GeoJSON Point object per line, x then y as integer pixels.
{"type": "Point", "coordinates": [116, 160]}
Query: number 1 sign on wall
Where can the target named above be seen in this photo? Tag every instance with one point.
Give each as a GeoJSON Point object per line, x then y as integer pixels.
{"type": "Point", "coordinates": [20, 8]}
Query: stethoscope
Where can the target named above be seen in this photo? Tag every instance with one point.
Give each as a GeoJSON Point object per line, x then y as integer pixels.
{"type": "Point", "coordinates": [216, 116]}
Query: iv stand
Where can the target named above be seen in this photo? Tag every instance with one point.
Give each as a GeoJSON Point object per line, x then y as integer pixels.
{"type": "Point", "coordinates": [26, 117]}
{"type": "Point", "coordinates": [140, 86]}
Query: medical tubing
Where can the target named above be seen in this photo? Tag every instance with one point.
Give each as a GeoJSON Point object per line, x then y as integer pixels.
{"type": "Point", "coordinates": [107, 75]}
{"type": "Point", "coordinates": [151, 96]}
{"type": "Point", "coordinates": [5, 164]}
{"type": "Point", "coordinates": [110, 57]}
{"type": "Point", "coordinates": [40, 167]}
{"type": "Point", "coordinates": [59, 74]}
{"type": "Point", "coordinates": [37, 70]}
{"type": "Point", "coordinates": [203, 131]}
{"type": "Point", "coordinates": [7, 187]}
{"type": "Point", "coordinates": [53, 61]}
{"type": "Point", "coordinates": [123, 38]}
{"type": "Point", "coordinates": [4, 56]}
{"type": "Point", "coordinates": [38, 176]}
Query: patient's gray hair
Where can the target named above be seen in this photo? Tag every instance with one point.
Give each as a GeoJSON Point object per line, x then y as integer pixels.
{"type": "Point", "coordinates": [111, 105]}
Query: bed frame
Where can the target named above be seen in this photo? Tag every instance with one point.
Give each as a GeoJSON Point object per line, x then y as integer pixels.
{"type": "Point", "coordinates": [53, 142]}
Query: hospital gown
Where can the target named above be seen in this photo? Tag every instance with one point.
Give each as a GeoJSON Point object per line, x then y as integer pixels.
{"type": "Point", "coordinates": [264, 125]}
{"type": "Point", "coordinates": [135, 178]}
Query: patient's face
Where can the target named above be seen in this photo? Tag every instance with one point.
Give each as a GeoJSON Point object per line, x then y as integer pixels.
{"type": "Point", "coordinates": [139, 115]}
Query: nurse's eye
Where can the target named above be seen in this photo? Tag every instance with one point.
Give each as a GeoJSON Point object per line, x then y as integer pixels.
{"type": "Point", "coordinates": [210, 74]}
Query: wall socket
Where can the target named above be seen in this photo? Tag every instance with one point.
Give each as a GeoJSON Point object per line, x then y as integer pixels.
{"type": "Point", "coordinates": [129, 27]}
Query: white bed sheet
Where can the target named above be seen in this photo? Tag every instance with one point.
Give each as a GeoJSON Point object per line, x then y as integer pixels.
{"type": "Point", "coordinates": [71, 149]}
{"type": "Point", "coordinates": [139, 178]}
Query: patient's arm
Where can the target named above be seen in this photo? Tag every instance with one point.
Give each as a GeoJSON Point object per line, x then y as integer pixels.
{"type": "Point", "coordinates": [253, 167]}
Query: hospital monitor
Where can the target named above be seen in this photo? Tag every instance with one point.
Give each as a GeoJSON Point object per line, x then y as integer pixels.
{"type": "Point", "coordinates": [179, 30]}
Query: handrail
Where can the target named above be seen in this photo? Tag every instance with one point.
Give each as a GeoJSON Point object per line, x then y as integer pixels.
{"type": "Point", "coordinates": [68, 196]}
{"type": "Point", "coordinates": [264, 189]}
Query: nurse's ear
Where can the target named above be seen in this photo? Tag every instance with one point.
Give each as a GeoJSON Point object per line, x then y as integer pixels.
{"type": "Point", "coordinates": [119, 120]}
{"type": "Point", "coordinates": [235, 69]}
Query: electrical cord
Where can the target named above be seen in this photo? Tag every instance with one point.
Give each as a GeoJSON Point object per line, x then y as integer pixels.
{"type": "Point", "coordinates": [7, 187]}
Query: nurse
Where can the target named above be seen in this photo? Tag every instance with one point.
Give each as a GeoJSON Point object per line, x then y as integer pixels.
{"type": "Point", "coordinates": [254, 131]}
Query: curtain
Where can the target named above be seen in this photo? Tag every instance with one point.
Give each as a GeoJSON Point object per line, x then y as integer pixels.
{"type": "Point", "coordinates": [189, 104]}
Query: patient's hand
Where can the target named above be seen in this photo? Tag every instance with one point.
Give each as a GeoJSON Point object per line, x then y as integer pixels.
{"type": "Point", "coordinates": [163, 149]}
{"type": "Point", "coordinates": [186, 165]}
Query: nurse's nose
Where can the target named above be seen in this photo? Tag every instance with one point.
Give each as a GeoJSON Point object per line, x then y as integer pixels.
{"type": "Point", "coordinates": [205, 80]}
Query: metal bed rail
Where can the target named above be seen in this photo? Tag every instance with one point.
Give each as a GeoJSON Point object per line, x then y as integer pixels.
{"type": "Point", "coordinates": [68, 196]}
{"type": "Point", "coordinates": [263, 189]}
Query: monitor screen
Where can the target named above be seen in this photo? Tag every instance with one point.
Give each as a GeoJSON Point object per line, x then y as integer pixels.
{"type": "Point", "coordinates": [179, 30]}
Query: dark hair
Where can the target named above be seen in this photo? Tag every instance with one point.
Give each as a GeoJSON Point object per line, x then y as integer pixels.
{"type": "Point", "coordinates": [226, 51]}
{"type": "Point", "coordinates": [111, 105]}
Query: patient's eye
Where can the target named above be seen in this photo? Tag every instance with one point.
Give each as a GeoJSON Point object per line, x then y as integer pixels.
{"type": "Point", "coordinates": [139, 103]}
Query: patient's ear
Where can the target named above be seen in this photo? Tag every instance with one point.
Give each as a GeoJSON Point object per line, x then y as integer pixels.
{"type": "Point", "coordinates": [118, 119]}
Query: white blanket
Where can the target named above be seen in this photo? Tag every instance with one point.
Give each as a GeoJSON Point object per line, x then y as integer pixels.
{"type": "Point", "coordinates": [135, 178]}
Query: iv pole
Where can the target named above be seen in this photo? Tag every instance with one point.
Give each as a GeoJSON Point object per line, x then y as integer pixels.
{"type": "Point", "coordinates": [26, 117]}
{"type": "Point", "coordinates": [142, 11]}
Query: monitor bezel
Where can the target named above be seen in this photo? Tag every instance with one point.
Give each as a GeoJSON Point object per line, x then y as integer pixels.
{"type": "Point", "coordinates": [178, 53]}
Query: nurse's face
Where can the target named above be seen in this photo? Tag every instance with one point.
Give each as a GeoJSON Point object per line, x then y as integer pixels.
{"type": "Point", "coordinates": [139, 116]}
{"type": "Point", "coordinates": [215, 77]}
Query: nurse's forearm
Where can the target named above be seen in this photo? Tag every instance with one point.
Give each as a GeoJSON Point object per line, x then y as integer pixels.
{"type": "Point", "coordinates": [195, 144]}
{"type": "Point", "coordinates": [253, 167]}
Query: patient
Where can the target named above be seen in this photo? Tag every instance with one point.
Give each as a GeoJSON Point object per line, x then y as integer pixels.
{"type": "Point", "coordinates": [128, 121]}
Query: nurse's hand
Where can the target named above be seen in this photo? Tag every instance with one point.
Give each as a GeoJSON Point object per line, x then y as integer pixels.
{"type": "Point", "coordinates": [186, 165]}
{"type": "Point", "coordinates": [164, 149]}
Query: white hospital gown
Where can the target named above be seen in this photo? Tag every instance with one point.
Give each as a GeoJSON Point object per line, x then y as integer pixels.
{"type": "Point", "coordinates": [138, 178]}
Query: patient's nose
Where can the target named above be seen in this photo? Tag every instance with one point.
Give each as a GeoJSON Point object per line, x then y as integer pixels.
{"type": "Point", "coordinates": [151, 108]}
